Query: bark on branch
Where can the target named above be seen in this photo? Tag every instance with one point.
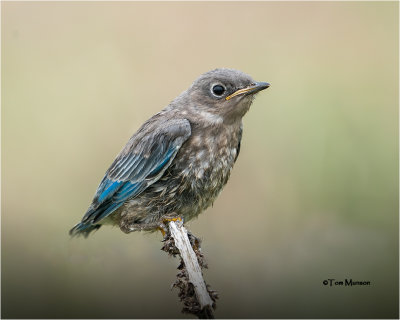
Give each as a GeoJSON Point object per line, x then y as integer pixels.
{"type": "Point", "coordinates": [197, 298]}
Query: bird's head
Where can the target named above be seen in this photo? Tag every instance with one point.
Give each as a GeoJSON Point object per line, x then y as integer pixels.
{"type": "Point", "coordinates": [223, 95]}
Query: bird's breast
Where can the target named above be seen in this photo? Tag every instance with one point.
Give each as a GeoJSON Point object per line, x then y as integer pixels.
{"type": "Point", "coordinates": [203, 167]}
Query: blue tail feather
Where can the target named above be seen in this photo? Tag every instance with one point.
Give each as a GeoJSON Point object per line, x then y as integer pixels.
{"type": "Point", "coordinates": [83, 229]}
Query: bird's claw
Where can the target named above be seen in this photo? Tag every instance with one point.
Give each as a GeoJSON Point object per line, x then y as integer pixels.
{"type": "Point", "coordinates": [163, 224]}
{"type": "Point", "coordinates": [164, 229]}
{"type": "Point", "coordinates": [170, 218]}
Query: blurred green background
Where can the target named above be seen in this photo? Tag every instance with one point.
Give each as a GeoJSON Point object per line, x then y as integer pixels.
{"type": "Point", "coordinates": [314, 194]}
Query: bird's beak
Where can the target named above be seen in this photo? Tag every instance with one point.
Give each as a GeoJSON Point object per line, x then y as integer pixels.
{"type": "Point", "coordinates": [253, 88]}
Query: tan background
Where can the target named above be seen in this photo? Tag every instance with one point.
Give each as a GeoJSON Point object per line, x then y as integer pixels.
{"type": "Point", "coordinates": [314, 194]}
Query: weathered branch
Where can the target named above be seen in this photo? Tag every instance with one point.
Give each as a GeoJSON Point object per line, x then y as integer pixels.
{"type": "Point", "coordinates": [193, 291]}
{"type": "Point", "coordinates": [192, 266]}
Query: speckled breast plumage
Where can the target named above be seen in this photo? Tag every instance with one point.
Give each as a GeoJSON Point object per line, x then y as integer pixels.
{"type": "Point", "coordinates": [191, 184]}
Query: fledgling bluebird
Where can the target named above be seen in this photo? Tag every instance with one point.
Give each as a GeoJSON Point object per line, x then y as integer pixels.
{"type": "Point", "coordinates": [177, 163]}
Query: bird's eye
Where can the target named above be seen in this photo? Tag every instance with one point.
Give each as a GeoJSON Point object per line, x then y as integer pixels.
{"type": "Point", "coordinates": [218, 90]}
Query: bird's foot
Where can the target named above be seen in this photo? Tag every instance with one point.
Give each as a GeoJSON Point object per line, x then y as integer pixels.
{"type": "Point", "coordinates": [163, 228]}
{"type": "Point", "coordinates": [163, 224]}
{"type": "Point", "coordinates": [169, 218]}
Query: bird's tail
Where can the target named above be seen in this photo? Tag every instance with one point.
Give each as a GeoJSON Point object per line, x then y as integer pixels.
{"type": "Point", "coordinates": [83, 229]}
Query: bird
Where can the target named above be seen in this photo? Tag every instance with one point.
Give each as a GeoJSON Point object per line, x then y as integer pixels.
{"type": "Point", "coordinates": [179, 160]}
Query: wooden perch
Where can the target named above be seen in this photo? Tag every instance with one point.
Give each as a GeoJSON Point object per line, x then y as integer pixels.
{"type": "Point", "coordinates": [192, 265]}
{"type": "Point", "coordinates": [194, 293]}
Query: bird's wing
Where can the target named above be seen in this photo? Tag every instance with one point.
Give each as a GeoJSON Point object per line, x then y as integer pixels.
{"type": "Point", "coordinates": [141, 163]}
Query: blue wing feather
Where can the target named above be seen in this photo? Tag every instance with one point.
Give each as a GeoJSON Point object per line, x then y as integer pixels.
{"type": "Point", "coordinates": [108, 189]}
{"type": "Point", "coordinates": [164, 162]}
{"type": "Point", "coordinates": [113, 194]}
{"type": "Point", "coordinates": [138, 166]}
